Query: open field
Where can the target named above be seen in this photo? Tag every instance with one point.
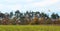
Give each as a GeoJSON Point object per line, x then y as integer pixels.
{"type": "Point", "coordinates": [29, 27]}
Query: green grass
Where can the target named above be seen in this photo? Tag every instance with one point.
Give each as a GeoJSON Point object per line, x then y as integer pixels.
{"type": "Point", "coordinates": [29, 28]}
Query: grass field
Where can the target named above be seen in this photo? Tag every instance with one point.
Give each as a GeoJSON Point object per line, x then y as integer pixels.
{"type": "Point", "coordinates": [29, 28]}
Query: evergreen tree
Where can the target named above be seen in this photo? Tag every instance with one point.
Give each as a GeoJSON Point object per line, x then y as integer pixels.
{"type": "Point", "coordinates": [54, 16]}
{"type": "Point", "coordinates": [11, 14]}
{"type": "Point", "coordinates": [17, 13]}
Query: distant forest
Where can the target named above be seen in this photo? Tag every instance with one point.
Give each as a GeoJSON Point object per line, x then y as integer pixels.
{"type": "Point", "coordinates": [28, 18]}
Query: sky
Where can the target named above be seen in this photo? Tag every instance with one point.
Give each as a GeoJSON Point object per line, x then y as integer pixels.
{"type": "Point", "coordinates": [30, 5]}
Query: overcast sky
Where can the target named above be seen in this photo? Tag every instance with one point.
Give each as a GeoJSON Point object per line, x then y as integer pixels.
{"type": "Point", "coordinates": [30, 5]}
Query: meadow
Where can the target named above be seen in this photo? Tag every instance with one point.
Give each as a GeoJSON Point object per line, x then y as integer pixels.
{"type": "Point", "coordinates": [29, 27]}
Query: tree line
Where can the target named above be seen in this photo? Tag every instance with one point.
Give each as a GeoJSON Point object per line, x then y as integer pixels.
{"type": "Point", "coordinates": [28, 18]}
